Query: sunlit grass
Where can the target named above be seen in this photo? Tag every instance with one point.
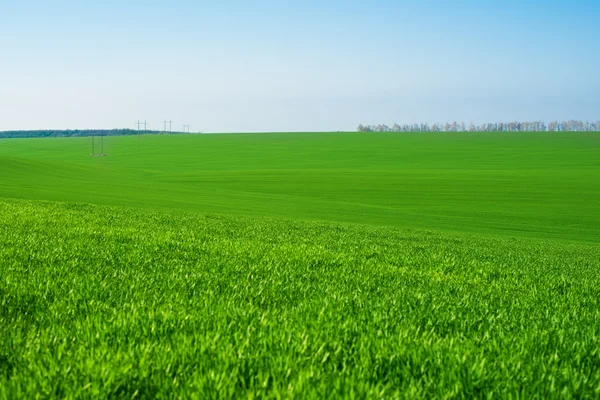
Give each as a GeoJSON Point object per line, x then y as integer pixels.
{"type": "Point", "coordinates": [544, 184]}
{"type": "Point", "coordinates": [99, 301]}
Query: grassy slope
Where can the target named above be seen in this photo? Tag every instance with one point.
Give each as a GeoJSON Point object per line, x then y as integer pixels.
{"type": "Point", "coordinates": [109, 301]}
{"type": "Point", "coordinates": [115, 302]}
{"type": "Point", "coordinates": [526, 184]}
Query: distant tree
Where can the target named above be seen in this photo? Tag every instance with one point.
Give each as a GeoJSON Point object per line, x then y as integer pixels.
{"type": "Point", "coordinates": [563, 126]}
{"type": "Point", "coordinates": [67, 133]}
{"type": "Point", "coordinates": [512, 126]}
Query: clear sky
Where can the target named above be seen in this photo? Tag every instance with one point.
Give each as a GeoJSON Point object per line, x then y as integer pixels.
{"type": "Point", "coordinates": [295, 65]}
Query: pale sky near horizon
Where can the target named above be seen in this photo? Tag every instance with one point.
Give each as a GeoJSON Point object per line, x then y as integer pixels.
{"type": "Point", "coordinates": [308, 65]}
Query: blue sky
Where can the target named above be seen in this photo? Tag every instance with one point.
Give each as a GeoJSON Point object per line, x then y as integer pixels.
{"type": "Point", "coordinates": [295, 65]}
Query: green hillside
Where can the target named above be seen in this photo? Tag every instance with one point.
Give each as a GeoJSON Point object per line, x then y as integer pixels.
{"type": "Point", "coordinates": [121, 303]}
{"type": "Point", "coordinates": [544, 184]}
{"type": "Point", "coordinates": [305, 265]}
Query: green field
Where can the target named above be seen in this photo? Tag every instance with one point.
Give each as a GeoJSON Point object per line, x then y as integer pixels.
{"type": "Point", "coordinates": [445, 265]}
{"type": "Point", "coordinates": [544, 184]}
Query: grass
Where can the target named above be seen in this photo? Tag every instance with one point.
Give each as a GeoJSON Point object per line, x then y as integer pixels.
{"type": "Point", "coordinates": [543, 185]}
{"type": "Point", "coordinates": [301, 266]}
{"type": "Point", "coordinates": [100, 301]}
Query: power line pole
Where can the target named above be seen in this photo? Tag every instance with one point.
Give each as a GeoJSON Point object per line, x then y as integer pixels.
{"type": "Point", "coordinates": [93, 151]}
{"type": "Point", "coordinates": [139, 124]}
{"type": "Point", "coordinates": [170, 125]}
{"type": "Point", "coordinates": [186, 127]}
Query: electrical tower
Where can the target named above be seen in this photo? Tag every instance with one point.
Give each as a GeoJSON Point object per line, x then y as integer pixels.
{"type": "Point", "coordinates": [170, 125]}
{"type": "Point", "coordinates": [94, 145]}
{"type": "Point", "coordinates": [138, 128]}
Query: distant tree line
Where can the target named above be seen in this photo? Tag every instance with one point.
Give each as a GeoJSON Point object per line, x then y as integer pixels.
{"type": "Point", "coordinates": [535, 126]}
{"type": "Point", "coordinates": [75, 133]}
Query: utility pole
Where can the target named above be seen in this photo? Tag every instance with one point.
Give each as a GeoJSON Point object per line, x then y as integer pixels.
{"type": "Point", "coordinates": [186, 127]}
{"type": "Point", "coordinates": [139, 124]}
{"type": "Point", "coordinates": [170, 124]}
{"type": "Point", "coordinates": [93, 136]}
